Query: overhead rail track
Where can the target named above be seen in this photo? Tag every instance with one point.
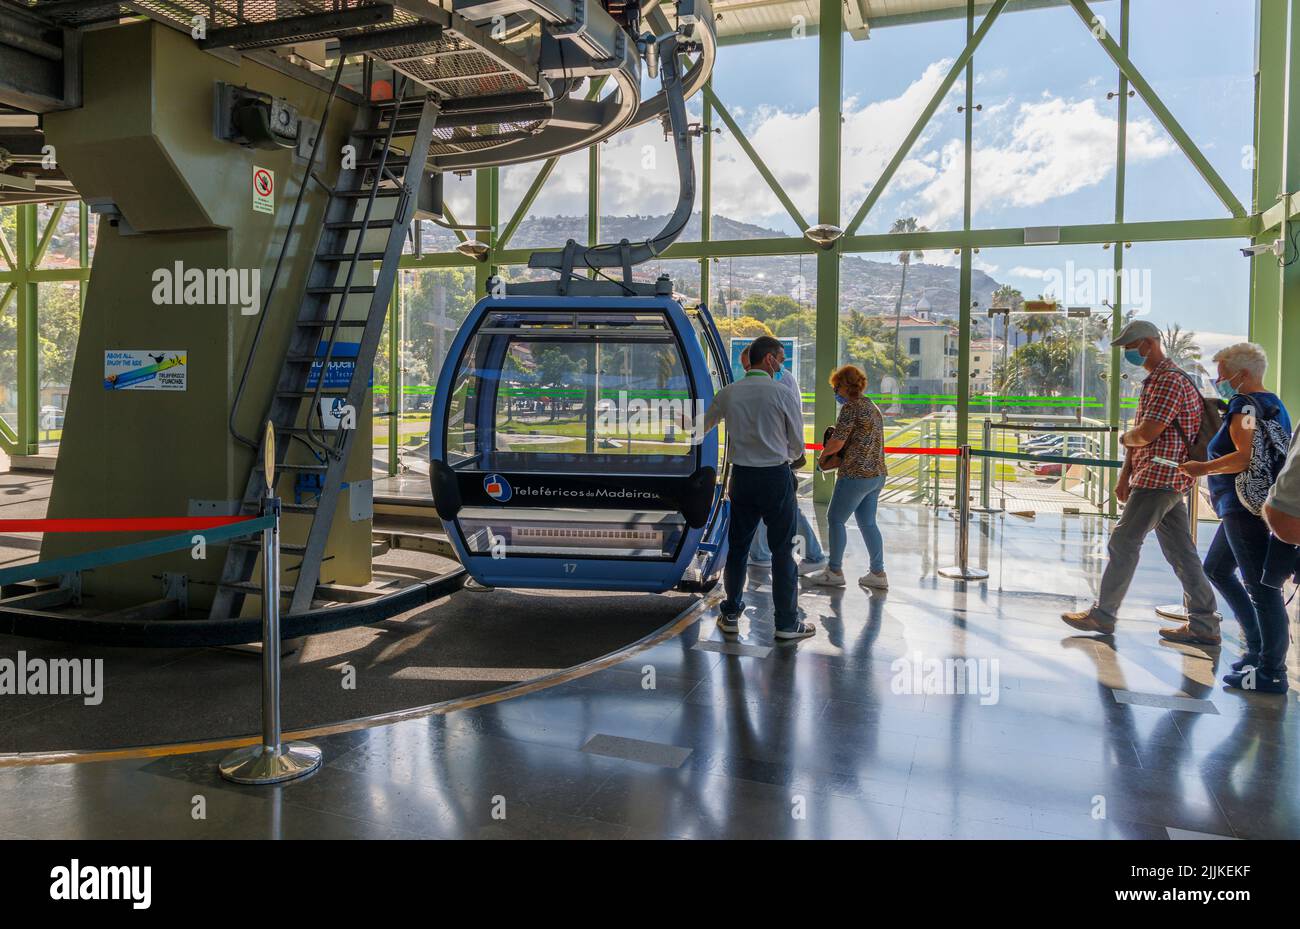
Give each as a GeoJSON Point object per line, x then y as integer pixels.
{"type": "Point", "coordinates": [541, 50]}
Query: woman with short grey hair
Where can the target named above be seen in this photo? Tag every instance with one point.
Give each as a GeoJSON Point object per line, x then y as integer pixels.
{"type": "Point", "coordinates": [1240, 469]}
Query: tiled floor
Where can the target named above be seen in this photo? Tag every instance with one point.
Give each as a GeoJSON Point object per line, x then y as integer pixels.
{"type": "Point", "coordinates": [822, 738]}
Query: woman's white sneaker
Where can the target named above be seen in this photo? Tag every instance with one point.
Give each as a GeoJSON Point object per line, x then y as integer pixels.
{"type": "Point", "coordinates": [826, 578]}
{"type": "Point", "coordinates": [875, 581]}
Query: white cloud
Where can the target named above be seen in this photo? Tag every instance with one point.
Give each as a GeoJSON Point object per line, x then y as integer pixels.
{"type": "Point", "coordinates": [1027, 154]}
{"type": "Point", "coordinates": [1037, 152]}
{"type": "Point", "coordinates": [1211, 343]}
{"type": "Point", "coordinates": [1036, 274]}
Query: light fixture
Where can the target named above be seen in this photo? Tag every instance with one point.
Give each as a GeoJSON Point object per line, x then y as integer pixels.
{"type": "Point", "coordinates": [473, 248]}
{"type": "Point", "coordinates": [823, 235]}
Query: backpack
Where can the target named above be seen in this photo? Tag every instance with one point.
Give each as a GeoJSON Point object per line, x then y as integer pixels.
{"type": "Point", "coordinates": [1212, 410]}
{"type": "Point", "coordinates": [1268, 451]}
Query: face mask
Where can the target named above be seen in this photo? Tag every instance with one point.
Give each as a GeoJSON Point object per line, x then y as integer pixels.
{"type": "Point", "coordinates": [1134, 357]}
{"type": "Point", "coordinates": [1225, 388]}
{"type": "Point", "coordinates": [840, 401]}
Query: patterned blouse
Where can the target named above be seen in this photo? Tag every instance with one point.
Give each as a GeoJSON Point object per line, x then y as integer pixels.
{"type": "Point", "coordinates": [862, 429]}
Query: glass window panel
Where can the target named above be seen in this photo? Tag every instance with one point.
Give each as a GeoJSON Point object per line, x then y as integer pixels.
{"type": "Point", "coordinates": [888, 81]}
{"type": "Point", "coordinates": [64, 250]}
{"type": "Point", "coordinates": [1044, 142]}
{"type": "Point", "coordinates": [560, 211]}
{"type": "Point", "coordinates": [58, 326]}
{"type": "Point", "coordinates": [1199, 56]}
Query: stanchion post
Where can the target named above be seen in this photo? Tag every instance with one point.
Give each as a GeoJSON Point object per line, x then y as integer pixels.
{"type": "Point", "coordinates": [1178, 611]}
{"type": "Point", "coordinates": [272, 761]}
{"type": "Point", "coordinates": [986, 472]}
{"type": "Point", "coordinates": [962, 571]}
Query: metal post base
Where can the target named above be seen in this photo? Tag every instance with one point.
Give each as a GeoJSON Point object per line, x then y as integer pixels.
{"type": "Point", "coordinates": [255, 765]}
{"type": "Point", "coordinates": [957, 573]}
{"type": "Point", "coordinates": [1173, 611]}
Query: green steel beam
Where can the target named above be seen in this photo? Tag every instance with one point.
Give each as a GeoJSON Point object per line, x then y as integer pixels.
{"type": "Point", "coordinates": [451, 218]}
{"type": "Point", "coordinates": [965, 295]}
{"type": "Point", "coordinates": [436, 260]}
{"type": "Point", "coordinates": [830, 95]}
{"type": "Point", "coordinates": [529, 196]}
{"type": "Point", "coordinates": [1098, 234]}
{"type": "Point", "coordinates": [46, 275]}
{"type": "Point", "coordinates": [1162, 113]}
{"type": "Point", "coordinates": [1288, 375]}
{"type": "Point", "coordinates": [83, 248]}
{"type": "Point", "coordinates": [396, 305]}
{"type": "Point", "coordinates": [712, 99]}
{"type": "Point", "coordinates": [958, 66]}
{"type": "Point", "coordinates": [7, 255]}
{"type": "Point", "coordinates": [28, 295]}
{"type": "Point", "coordinates": [47, 234]}
{"type": "Point", "coordinates": [1180, 230]}
{"type": "Point", "coordinates": [1268, 193]}
{"type": "Point", "coordinates": [1113, 384]}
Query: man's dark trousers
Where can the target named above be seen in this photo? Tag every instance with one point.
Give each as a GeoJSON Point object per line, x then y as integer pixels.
{"type": "Point", "coordinates": [767, 494]}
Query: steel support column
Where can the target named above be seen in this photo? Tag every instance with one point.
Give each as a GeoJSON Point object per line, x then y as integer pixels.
{"type": "Point", "coordinates": [396, 314]}
{"type": "Point", "coordinates": [1113, 383]}
{"type": "Point", "coordinates": [830, 44]}
{"type": "Point", "coordinates": [964, 286]}
{"type": "Point", "coordinates": [1269, 141]}
{"type": "Point", "coordinates": [1289, 375]}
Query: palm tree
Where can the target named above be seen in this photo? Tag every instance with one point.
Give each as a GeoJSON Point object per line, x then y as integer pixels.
{"type": "Point", "coordinates": [1038, 323]}
{"type": "Point", "coordinates": [908, 224]}
{"type": "Point", "coordinates": [1180, 345]}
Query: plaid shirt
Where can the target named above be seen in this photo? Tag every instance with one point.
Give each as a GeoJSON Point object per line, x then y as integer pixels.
{"type": "Point", "coordinates": [1167, 395]}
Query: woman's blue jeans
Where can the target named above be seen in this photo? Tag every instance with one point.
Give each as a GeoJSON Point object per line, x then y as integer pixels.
{"type": "Point", "coordinates": [1239, 547]}
{"type": "Point", "coordinates": [856, 496]}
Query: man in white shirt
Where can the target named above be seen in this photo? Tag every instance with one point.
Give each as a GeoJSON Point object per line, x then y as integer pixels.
{"type": "Point", "coordinates": [765, 432]}
{"type": "Point", "coordinates": [814, 557]}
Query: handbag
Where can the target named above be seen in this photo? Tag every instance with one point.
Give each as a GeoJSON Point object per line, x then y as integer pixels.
{"type": "Point", "coordinates": [1268, 449]}
{"type": "Point", "coordinates": [833, 462]}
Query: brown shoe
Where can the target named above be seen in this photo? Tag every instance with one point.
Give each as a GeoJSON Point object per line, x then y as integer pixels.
{"type": "Point", "coordinates": [1088, 621]}
{"type": "Point", "coordinates": [1185, 635]}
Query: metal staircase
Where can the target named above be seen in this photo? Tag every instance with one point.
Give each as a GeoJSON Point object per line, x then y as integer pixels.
{"type": "Point", "coordinates": [341, 269]}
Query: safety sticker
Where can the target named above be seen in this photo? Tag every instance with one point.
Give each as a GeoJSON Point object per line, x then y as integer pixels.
{"type": "Point", "coordinates": [128, 369]}
{"type": "Point", "coordinates": [263, 190]}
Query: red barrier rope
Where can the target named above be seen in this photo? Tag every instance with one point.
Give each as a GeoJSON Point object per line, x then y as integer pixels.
{"type": "Point", "coordinates": [940, 452]}
{"type": "Point", "coordinates": [121, 524]}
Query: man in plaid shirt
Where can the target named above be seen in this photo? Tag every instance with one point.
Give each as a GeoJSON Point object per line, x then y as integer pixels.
{"type": "Point", "coordinates": [1151, 488]}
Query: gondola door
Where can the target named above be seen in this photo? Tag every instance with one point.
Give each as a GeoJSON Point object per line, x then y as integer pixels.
{"type": "Point", "coordinates": [562, 446]}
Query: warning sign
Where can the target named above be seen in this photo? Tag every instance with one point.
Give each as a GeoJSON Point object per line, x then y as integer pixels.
{"type": "Point", "coordinates": [128, 369]}
{"type": "Point", "coordinates": [263, 190]}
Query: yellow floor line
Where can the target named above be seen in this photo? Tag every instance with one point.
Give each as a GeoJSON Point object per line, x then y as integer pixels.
{"type": "Point", "coordinates": [673, 629]}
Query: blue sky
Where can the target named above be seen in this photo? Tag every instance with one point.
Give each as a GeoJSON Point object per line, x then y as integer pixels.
{"type": "Point", "coordinates": [1044, 143]}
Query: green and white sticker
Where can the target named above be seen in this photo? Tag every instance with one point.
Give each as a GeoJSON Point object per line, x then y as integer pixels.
{"type": "Point", "coordinates": [263, 190]}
